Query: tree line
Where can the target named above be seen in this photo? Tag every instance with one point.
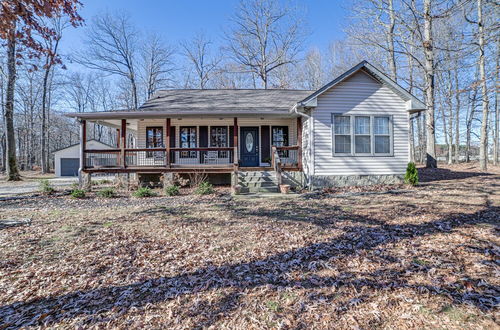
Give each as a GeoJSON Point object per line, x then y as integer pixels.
{"type": "Point", "coordinates": [445, 52]}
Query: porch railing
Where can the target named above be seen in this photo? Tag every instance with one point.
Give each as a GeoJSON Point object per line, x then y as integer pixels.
{"type": "Point", "coordinates": [289, 157]}
{"type": "Point", "coordinates": [159, 157]}
{"type": "Point", "coordinates": [102, 158]}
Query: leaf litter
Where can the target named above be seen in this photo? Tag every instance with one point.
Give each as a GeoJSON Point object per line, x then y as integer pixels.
{"type": "Point", "coordinates": [428, 257]}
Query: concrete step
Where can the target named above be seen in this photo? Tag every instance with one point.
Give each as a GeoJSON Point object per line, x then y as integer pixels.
{"type": "Point", "coordinates": [255, 173]}
{"type": "Point", "coordinates": [246, 190]}
{"type": "Point", "coordinates": [258, 184]}
{"type": "Point", "coordinates": [258, 179]}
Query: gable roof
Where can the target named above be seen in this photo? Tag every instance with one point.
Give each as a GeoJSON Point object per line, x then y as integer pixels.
{"type": "Point", "coordinates": [413, 104]}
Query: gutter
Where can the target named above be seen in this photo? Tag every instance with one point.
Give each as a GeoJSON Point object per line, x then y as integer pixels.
{"type": "Point", "coordinates": [310, 141]}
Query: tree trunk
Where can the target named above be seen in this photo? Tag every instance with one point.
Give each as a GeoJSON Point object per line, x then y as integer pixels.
{"type": "Point", "coordinates": [43, 123]}
{"type": "Point", "coordinates": [390, 41]}
{"type": "Point", "coordinates": [445, 131]}
{"type": "Point", "coordinates": [457, 116]}
{"type": "Point", "coordinates": [496, 144]}
{"type": "Point", "coordinates": [483, 147]}
{"type": "Point", "coordinates": [12, 170]}
{"type": "Point", "coordinates": [450, 120]}
{"type": "Point", "coordinates": [4, 154]}
{"type": "Point", "coordinates": [429, 87]}
{"type": "Point", "coordinates": [411, 140]}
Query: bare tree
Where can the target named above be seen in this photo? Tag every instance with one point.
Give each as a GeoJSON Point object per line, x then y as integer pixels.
{"type": "Point", "coordinates": [53, 44]}
{"type": "Point", "coordinates": [264, 37]}
{"type": "Point", "coordinates": [496, 142]}
{"type": "Point", "coordinates": [483, 147]}
{"type": "Point", "coordinates": [199, 54]}
{"type": "Point", "coordinates": [312, 74]}
{"type": "Point", "coordinates": [112, 46]}
{"type": "Point", "coordinates": [10, 146]}
{"type": "Point", "coordinates": [429, 85]}
{"type": "Point", "coordinates": [157, 65]}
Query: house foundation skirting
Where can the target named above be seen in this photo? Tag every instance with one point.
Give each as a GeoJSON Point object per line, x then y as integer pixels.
{"type": "Point", "coordinates": [325, 181]}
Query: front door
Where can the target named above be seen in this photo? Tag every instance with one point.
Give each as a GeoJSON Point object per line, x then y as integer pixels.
{"type": "Point", "coordinates": [249, 146]}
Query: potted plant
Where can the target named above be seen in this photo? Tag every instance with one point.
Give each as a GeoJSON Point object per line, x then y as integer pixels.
{"type": "Point", "coordinates": [284, 188]}
{"type": "Point", "coordinates": [268, 160]}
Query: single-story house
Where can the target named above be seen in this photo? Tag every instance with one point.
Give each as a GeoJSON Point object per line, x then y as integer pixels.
{"type": "Point", "coordinates": [67, 160]}
{"type": "Point", "coordinates": [353, 130]}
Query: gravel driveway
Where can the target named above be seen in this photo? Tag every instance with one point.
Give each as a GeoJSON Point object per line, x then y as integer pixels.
{"type": "Point", "coordinates": [31, 186]}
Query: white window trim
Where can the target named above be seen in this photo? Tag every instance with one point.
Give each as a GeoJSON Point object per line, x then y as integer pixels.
{"type": "Point", "coordinates": [372, 135]}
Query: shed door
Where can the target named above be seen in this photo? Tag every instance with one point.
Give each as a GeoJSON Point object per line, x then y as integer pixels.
{"type": "Point", "coordinates": [69, 166]}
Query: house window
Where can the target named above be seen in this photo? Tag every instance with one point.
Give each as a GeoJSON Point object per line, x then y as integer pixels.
{"type": "Point", "coordinates": [362, 140]}
{"type": "Point", "coordinates": [372, 135]}
{"type": "Point", "coordinates": [382, 135]}
{"type": "Point", "coordinates": [188, 140]}
{"type": "Point", "coordinates": [342, 132]}
{"type": "Point", "coordinates": [218, 138]}
{"type": "Point", "coordinates": [154, 139]}
{"type": "Point", "coordinates": [279, 138]}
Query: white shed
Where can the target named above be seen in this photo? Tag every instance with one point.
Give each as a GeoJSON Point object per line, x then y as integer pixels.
{"type": "Point", "coordinates": [67, 160]}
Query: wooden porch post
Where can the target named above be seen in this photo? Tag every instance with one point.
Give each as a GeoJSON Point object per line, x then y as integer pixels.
{"type": "Point", "coordinates": [167, 142]}
{"type": "Point", "coordinates": [83, 146]}
{"type": "Point", "coordinates": [235, 143]}
{"type": "Point", "coordinates": [118, 138]}
{"type": "Point", "coordinates": [299, 142]}
{"type": "Point", "coordinates": [83, 142]}
{"type": "Point", "coordinates": [123, 142]}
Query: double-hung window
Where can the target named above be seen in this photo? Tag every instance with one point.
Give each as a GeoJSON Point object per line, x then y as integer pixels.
{"type": "Point", "coordinates": [218, 138]}
{"type": "Point", "coordinates": [342, 135]}
{"type": "Point", "coordinates": [382, 134]}
{"type": "Point", "coordinates": [188, 140]}
{"type": "Point", "coordinates": [362, 135]}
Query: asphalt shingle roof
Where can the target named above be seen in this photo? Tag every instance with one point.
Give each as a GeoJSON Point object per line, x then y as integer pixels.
{"type": "Point", "coordinates": [213, 101]}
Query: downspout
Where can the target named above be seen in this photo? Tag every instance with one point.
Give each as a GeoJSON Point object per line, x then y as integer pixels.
{"type": "Point", "coordinates": [309, 128]}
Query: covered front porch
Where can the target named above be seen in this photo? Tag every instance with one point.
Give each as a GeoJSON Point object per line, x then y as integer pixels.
{"type": "Point", "coordinates": [196, 144]}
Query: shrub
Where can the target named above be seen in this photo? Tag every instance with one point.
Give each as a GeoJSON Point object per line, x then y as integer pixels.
{"type": "Point", "coordinates": [78, 193]}
{"type": "Point", "coordinates": [107, 193]}
{"type": "Point", "coordinates": [411, 176]}
{"type": "Point", "coordinates": [46, 187]}
{"type": "Point", "coordinates": [101, 182]}
{"type": "Point", "coordinates": [144, 192]}
{"type": "Point", "coordinates": [172, 190]}
{"type": "Point", "coordinates": [204, 188]}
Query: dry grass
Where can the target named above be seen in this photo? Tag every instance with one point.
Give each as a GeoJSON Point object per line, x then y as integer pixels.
{"type": "Point", "coordinates": [28, 176]}
{"type": "Point", "coordinates": [424, 257]}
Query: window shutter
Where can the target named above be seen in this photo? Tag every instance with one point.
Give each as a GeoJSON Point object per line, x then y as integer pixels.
{"type": "Point", "coordinates": [231, 136]}
{"type": "Point", "coordinates": [172, 143]}
{"type": "Point", "coordinates": [265, 147]}
{"type": "Point", "coordinates": [203, 131]}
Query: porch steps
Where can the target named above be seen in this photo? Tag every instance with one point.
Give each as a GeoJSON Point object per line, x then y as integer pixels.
{"type": "Point", "coordinates": [258, 181]}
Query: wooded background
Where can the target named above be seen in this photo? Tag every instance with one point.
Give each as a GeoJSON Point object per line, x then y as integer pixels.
{"type": "Point", "coordinates": [444, 52]}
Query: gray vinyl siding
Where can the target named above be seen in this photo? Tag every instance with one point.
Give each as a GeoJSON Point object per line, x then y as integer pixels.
{"type": "Point", "coordinates": [359, 95]}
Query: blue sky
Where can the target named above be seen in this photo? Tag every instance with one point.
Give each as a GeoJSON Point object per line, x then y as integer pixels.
{"type": "Point", "coordinates": [178, 20]}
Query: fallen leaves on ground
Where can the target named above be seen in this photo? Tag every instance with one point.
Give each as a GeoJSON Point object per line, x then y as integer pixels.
{"type": "Point", "coordinates": [402, 257]}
